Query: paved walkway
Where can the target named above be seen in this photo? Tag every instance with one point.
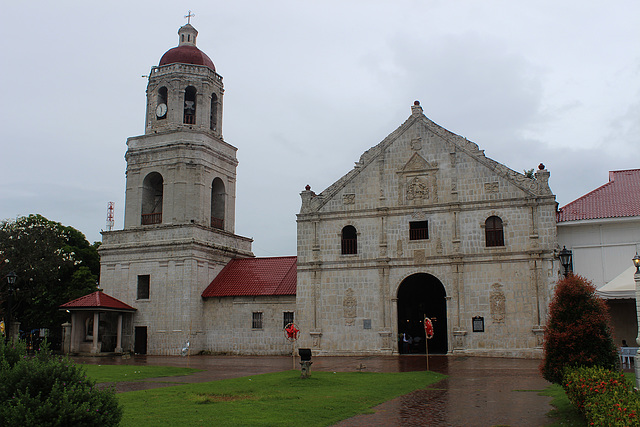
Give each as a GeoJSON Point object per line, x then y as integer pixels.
{"type": "Point", "coordinates": [478, 392]}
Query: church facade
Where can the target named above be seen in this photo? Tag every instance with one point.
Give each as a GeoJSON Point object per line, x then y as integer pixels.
{"type": "Point", "coordinates": [425, 225]}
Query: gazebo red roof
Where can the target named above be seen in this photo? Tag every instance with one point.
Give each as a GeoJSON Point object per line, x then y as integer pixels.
{"type": "Point", "coordinates": [98, 300]}
{"type": "Point", "coordinates": [255, 277]}
{"type": "Point", "coordinates": [620, 197]}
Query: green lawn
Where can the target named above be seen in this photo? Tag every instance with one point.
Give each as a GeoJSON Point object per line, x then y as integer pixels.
{"type": "Point", "coordinates": [276, 399]}
{"type": "Point", "coordinates": [117, 373]}
{"type": "Point", "coordinates": [564, 414]}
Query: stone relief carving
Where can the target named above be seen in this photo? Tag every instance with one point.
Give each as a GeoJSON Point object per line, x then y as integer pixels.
{"type": "Point", "coordinates": [498, 302]}
{"type": "Point", "coordinates": [419, 257]}
{"type": "Point", "coordinates": [399, 251]}
{"type": "Point", "coordinates": [350, 305]}
{"type": "Point", "coordinates": [439, 248]}
{"type": "Point", "coordinates": [417, 189]}
{"type": "Point", "coordinates": [491, 187]}
{"type": "Point", "coordinates": [418, 216]}
{"type": "Point", "coordinates": [348, 199]}
{"type": "Point", "coordinates": [416, 144]}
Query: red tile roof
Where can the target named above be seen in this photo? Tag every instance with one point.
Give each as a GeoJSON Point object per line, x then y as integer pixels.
{"type": "Point", "coordinates": [97, 299]}
{"type": "Point", "coordinates": [620, 197]}
{"type": "Point", "coordinates": [255, 276]}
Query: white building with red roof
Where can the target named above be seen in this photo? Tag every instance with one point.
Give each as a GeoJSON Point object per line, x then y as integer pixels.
{"type": "Point", "coordinates": [602, 229]}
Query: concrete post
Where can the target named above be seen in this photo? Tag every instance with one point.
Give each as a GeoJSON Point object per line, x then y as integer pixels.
{"type": "Point", "coordinates": [636, 278]}
{"type": "Point", "coordinates": [66, 338]}
{"type": "Point", "coordinates": [96, 320]}
{"type": "Point", "coordinates": [119, 335]}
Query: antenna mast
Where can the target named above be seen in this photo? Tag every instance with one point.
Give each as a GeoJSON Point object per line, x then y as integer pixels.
{"type": "Point", "coordinates": [110, 221]}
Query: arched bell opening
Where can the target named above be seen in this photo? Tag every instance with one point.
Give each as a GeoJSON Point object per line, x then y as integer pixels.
{"type": "Point", "coordinates": [217, 204]}
{"type": "Point", "coordinates": [152, 190]}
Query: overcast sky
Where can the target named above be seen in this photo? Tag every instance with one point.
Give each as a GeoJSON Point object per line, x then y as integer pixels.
{"type": "Point", "coordinates": [310, 86]}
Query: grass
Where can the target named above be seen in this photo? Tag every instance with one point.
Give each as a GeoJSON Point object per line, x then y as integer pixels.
{"type": "Point", "coordinates": [564, 414]}
{"type": "Point", "coordinates": [117, 373]}
{"type": "Point", "coordinates": [275, 399]}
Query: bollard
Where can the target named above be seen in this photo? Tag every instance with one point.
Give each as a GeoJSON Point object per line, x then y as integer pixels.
{"type": "Point", "coordinates": [305, 362]}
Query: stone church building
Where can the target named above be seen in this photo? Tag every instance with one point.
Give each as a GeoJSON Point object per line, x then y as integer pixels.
{"type": "Point", "coordinates": [424, 225]}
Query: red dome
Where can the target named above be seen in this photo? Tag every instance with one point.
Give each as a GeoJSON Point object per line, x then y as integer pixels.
{"type": "Point", "coordinates": [186, 54]}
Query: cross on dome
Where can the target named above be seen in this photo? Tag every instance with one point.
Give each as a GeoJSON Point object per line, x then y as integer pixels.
{"type": "Point", "coordinates": [189, 15]}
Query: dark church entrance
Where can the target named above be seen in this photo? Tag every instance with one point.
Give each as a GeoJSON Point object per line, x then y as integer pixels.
{"type": "Point", "coordinates": [419, 295]}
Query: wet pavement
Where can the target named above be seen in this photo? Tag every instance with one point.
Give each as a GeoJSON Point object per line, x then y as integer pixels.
{"type": "Point", "coordinates": [479, 391]}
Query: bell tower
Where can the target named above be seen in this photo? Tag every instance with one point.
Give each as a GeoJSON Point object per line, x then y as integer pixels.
{"type": "Point", "coordinates": [181, 171]}
{"type": "Point", "coordinates": [179, 204]}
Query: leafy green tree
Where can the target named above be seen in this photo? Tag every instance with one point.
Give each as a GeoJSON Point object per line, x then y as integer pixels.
{"type": "Point", "coordinates": [54, 264]}
{"type": "Point", "coordinates": [578, 330]}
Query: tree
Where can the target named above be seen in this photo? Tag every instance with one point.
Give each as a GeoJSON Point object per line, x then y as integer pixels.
{"type": "Point", "coordinates": [578, 331]}
{"type": "Point", "coordinates": [54, 264]}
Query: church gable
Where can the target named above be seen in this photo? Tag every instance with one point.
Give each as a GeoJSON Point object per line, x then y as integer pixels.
{"type": "Point", "coordinates": [423, 163]}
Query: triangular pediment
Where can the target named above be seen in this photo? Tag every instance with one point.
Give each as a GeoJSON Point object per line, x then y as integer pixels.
{"type": "Point", "coordinates": [416, 163]}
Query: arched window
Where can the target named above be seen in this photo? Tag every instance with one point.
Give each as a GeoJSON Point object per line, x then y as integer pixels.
{"type": "Point", "coordinates": [190, 105]}
{"type": "Point", "coordinates": [161, 104]}
{"type": "Point", "coordinates": [349, 240]}
{"type": "Point", "coordinates": [214, 112]}
{"type": "Point", "coordinates": [152, 199]}
{"type": "Point", "coordinates": [217, 204]}
{"type": "Point", "coordinates": [493, 231]}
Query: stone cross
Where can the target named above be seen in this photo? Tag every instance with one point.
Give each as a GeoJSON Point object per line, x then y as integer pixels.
{"type": "Point", "coordinates": [189, 15]}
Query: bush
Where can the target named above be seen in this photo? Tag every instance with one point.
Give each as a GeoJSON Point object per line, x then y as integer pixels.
{"type": "Point", "coordinates": [45, 390]}
{"type": "Point", "coordinates": [11, 353]}
{"type": "Point", "coordinates": [578, 332]}
{"type": "Point", "coordinates": [604, 397]}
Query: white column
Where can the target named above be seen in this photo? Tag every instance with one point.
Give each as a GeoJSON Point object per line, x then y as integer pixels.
{"type": "Point", "coordinates": [119, 334]}
{"type": "Point", "coordinates": [636, 278]}
{"type": "Point", "coordinates": [96, 319]}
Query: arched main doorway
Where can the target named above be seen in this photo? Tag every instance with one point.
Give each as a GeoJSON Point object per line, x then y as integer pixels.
{"type": "Point", "coordinates": [419, 295]}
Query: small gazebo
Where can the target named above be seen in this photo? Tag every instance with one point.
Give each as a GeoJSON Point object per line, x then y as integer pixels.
{"type": "Point", "coordinates": [99, 324]}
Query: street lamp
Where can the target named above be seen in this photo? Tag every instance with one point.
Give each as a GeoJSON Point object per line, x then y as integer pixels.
{"type": "Point", "coordinates": [11, 280]}
{"type": "Point", "coordinates": [565, 259]}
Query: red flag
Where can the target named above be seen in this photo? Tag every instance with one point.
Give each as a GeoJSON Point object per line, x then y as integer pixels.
{"type": "Point", "coordinates": [428, 327]}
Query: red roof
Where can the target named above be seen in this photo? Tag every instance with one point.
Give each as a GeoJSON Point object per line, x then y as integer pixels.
{"type": "Point", "coordinates": [255, 276]}
{"type": "Point", "coordinates": [97, 299]}
{"type": "Point", "coordinates": [186, 54]}
{"type": "Point", "coordinates": [620, 197]}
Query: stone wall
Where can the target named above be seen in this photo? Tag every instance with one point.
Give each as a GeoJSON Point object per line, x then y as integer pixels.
{"type": "Point", "coordinates": [228, 325]}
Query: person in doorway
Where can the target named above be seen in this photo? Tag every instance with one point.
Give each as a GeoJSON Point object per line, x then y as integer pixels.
{"type": "Point", "coordinates": [624, 343]}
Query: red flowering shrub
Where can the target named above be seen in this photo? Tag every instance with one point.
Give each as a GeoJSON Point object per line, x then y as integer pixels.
{"type": "Point", "coordinates": [604, 397]}
{"type": "Point", "coordinates": [578, 330]}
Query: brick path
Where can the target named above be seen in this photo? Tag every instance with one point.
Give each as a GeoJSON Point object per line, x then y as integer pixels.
{"type": "Point", "coordinates": [478, 392]}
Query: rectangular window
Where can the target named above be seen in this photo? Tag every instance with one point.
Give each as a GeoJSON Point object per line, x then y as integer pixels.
{"type": "Point", "coordinates": [418, 230]}
{"type": "Point", "coordinates": [143, 286]}
{"type": "Point", "coordinates": [287, 318]}
{"type": "Point", "coordinates": [256, 320]}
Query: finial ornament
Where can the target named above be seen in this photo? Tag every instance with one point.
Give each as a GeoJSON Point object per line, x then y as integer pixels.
{"type": "Point", "coordinates": [189, 15]}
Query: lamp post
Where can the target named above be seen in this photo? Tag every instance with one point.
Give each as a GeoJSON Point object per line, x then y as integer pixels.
{"type": "Point", "coordinates": [565, 259]}
{"type": "Point", "coordinates": [11, 280]}
{"type": "Point", "coordinates": [636, 278]}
